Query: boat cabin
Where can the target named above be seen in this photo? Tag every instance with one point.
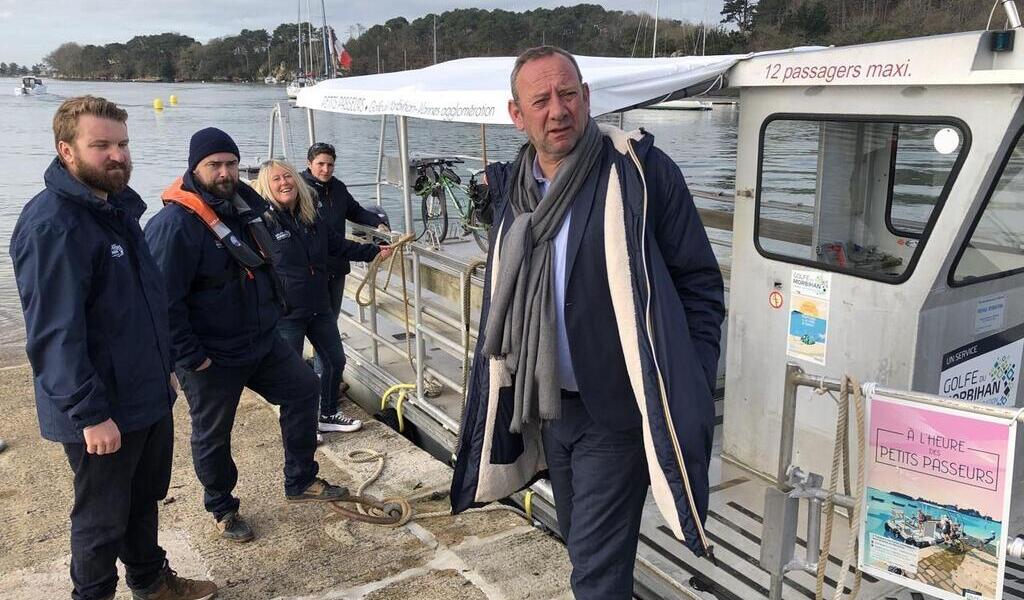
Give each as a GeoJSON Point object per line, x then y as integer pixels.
{"type": "Point", "coordinates": [878, 230]}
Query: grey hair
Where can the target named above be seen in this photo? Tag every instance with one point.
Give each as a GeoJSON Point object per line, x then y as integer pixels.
{"type": "Point", "coordinates": [534, 54]}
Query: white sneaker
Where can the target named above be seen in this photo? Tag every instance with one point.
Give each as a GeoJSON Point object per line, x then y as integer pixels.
{"type": "Point", "coordinates": [339, 422]}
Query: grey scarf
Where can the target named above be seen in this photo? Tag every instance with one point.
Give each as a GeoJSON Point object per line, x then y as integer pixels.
{"type": "Point", "coordinates": [520, 330]}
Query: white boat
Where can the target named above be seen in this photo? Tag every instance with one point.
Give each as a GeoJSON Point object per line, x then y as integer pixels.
{"type": "Point", "coordinates": [686, 104]}
{"type": "Point", "coordinates": [270, 80]}
{"type": "Point", "coordinates": [827, 140]}
{"type": "Point", "coordinates": [297, 84]}
{"type": "Point", "coordinates": [30, 86]}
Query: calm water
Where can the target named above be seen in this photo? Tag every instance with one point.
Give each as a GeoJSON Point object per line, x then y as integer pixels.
{"type": "Point", "coordinates": [702, 142]}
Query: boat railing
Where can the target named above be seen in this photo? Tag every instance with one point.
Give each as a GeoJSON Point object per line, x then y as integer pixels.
{"type": "Point", "coordinates": [277, 120]}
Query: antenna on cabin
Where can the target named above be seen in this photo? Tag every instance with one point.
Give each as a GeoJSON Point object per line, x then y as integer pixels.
{"type": "Point", "coordinates": [1012, 17]}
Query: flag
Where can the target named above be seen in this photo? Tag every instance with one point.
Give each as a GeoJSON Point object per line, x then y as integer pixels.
{"type": "Point", "coordinates": [345, 59]}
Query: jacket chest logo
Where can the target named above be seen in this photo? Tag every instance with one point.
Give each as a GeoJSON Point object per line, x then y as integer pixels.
{"type": "Point", "coordinates": [282, 235]}
{"type": "Point", "coordinates": [116, 251]}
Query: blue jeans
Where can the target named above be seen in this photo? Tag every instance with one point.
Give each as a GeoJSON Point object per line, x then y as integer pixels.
{"type": "Point", "coordinates": [322, 331]}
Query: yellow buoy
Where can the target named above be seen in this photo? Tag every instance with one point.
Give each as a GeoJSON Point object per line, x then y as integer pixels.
{"type": "Point", "coordinates": [173, 99]}
{"type": "Point", "coordinates": [158, 104]}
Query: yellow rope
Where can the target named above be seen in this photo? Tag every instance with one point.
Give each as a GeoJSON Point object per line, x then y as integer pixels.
{"type": "Point", "coordinates": [402, 389]}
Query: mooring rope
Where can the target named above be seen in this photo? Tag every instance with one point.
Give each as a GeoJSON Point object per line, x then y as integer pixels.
{"type": "Point", "coordinates": [394, 511]}
{"type": "Point", "coordinates": [841, 454]}
{"type": "Point", "coordinates": [431, 386]}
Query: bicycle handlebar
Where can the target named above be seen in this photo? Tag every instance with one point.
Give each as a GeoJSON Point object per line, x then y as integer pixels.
{"type": "Point", "coordinates": [434, 161]}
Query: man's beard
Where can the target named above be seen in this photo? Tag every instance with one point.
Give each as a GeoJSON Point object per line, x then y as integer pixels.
{"type": "Point", "coordinates": [224, 189]}
{"type": "Point", "coordinates": [112, 178]}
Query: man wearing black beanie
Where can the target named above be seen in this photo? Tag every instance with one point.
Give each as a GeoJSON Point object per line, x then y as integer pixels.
{"type": "Point", "coordinates": [210, 241]}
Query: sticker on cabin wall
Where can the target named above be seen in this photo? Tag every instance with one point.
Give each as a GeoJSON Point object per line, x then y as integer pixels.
{"type": "Point", "coordinates": [986, 371]}
{"type": "Point", "coordinates": [936, 498]}
{"type": "Point", "coordinates": [809, 294]}
{"type": "Point", "coordinates": [775, 299]}
{"type": "Point", "coordinates": [989, 314]}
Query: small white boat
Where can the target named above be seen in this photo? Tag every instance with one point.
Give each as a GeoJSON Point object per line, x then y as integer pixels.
{"type": "Point", "coordinates": [682, 105]}
{"type": "Point", "coordinates": [30, 86]}
{"type": "Point", "coordinates": [296, 85]}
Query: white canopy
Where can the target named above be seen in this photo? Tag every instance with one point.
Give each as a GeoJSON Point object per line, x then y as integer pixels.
{"type": "Point", "coordinates": [476, 90]}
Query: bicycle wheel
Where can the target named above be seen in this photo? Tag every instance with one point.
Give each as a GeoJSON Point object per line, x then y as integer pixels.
{"type": "Point", "coordinates": [434, 214]}
{"type": "Point", "coordinates": [480, 231]}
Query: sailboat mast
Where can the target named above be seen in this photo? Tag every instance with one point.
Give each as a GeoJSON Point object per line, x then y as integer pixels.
{"type": "Point", "coordinates": [654, 46]}
{"type": "Point", "coordinates": [704, 42]}
{"type": "Point", "coordinates": [309, 29]}
{"type": "Point", "coordinates": [328, 64]}
{"type": "Point", "coordinates": [298, 24]}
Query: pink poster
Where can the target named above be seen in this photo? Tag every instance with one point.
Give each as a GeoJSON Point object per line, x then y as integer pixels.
{"type": "Point", "coordinates": [937, 498]}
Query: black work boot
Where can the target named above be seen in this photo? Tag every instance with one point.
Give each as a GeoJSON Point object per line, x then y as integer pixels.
{"type": "Point", "coordinates": [320, 491]}
{"type": "Point", "coordinates": [233, 528]}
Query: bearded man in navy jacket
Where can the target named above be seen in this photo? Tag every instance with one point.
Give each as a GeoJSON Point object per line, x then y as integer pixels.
{"type": "Point", "coordinates": [98, 341]}
{"type": "Point", "coordinates": [213, 248]}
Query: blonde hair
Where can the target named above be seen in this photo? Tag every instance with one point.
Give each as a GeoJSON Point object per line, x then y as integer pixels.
{"type": "Point", "coordinates": [307, 206]}
{"type": "Point", "coordinates": [65, 121]}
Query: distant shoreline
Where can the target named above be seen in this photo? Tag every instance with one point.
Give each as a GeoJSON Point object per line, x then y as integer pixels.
{"type": "Point", "coordinates": [153, 80]}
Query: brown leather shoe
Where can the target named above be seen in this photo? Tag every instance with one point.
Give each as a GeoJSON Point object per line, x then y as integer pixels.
{"type": "Point", "coordinates": [232, 527]}
{"type": "Point", "coordinates": [320, 491]}
{"type": "Point", "coordinates": [171, 587]}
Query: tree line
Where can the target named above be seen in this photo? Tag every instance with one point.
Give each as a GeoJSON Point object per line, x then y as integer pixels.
{"type": "Point", "coordinates": [250, 55]}
{"type": "Point", "coordinates": [15, 70]}
{"type": "Point", "coordinates": [773, 24]}
{"type": "Point", "coordinates": [397, 44]}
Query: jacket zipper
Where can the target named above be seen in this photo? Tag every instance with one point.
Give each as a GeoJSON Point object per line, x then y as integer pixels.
{"type": "Point", "coordinates": [657, 368]}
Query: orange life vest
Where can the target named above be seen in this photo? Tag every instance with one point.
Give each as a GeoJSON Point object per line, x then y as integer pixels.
{"type": "Point", "coordinates": [194, 203]}
{"type": "Point", "coordinates": [247, 258]}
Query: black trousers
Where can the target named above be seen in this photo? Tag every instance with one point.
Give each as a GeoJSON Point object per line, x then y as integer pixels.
{"type": "Point", "coordinates": [336, 287]}
{"type": "Point", "coordinates": [115, 513]}
{"type": "Point", "coordinates": [599, 478]}
{"type": "Point", "coordinates": [283, 379]}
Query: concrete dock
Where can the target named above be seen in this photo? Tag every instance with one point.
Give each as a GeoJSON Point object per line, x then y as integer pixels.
{"type": "Point", "coordinates": [301, 551]}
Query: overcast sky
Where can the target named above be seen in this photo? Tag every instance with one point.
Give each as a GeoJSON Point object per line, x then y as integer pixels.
{"type": "Point", "coordinates": [30, 29]}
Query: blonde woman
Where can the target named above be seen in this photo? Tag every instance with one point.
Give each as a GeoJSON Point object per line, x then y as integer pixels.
{"type": "Point", "coordinates": [304, 243]}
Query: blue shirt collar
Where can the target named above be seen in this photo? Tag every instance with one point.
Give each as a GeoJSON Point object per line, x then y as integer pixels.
{"type": "Point", "coordinates": [537, 173]}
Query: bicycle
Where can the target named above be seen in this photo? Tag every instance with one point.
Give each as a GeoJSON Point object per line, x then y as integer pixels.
{"type": "Point", "coordinates": [436, 185]}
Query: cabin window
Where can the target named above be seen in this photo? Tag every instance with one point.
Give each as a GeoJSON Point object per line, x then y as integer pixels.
{"type": "Point", "coordinates": [854, 195]}
{"type": "Point", "coordinates": [995, 246]}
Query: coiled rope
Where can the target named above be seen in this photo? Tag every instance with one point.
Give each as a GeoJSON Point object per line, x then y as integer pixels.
{"type": "Point", "coordinates": [394, 511]}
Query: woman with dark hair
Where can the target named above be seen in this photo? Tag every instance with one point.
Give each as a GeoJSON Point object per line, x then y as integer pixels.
{"type": "Point", "coordinates": [336, 206]}
{"type": "Point", "coordinates": [304, 243]}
